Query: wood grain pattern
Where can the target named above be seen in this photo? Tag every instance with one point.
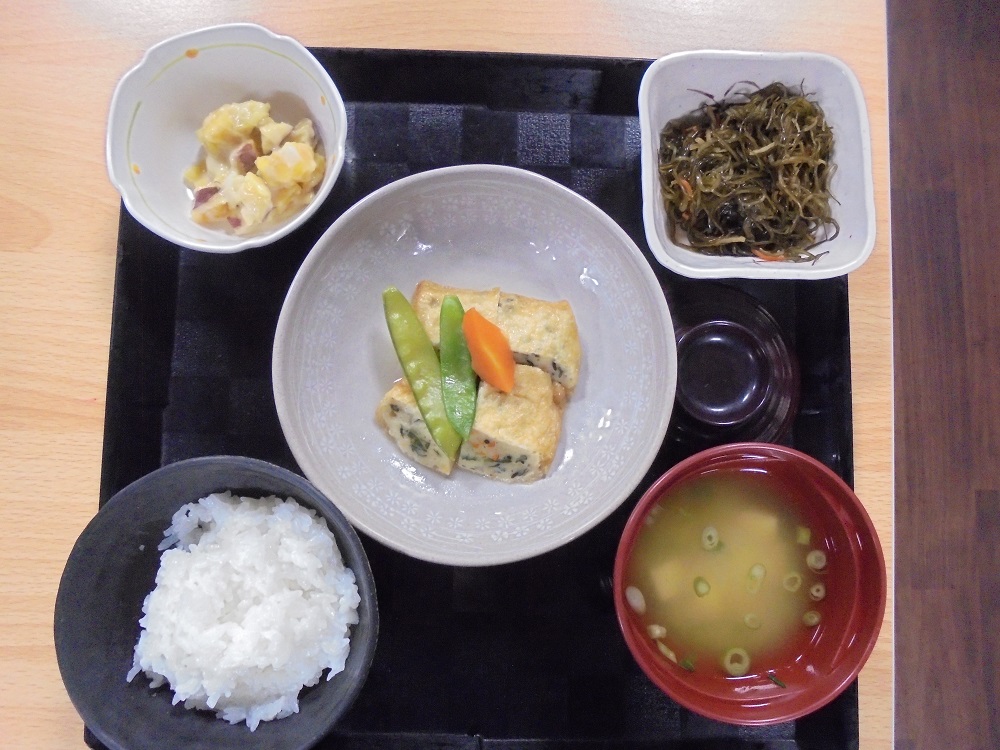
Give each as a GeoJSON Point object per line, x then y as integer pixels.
{"type": "Point", "coordinates": [60, 61]}
{"type": "Point", "coordinates": [945, 184]}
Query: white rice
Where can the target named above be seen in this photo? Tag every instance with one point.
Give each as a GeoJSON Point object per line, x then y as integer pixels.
{"type": "Point", "coordinates": [252, 604]}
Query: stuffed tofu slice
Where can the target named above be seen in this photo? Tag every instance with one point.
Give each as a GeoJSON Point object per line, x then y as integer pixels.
{"type": "Point", "coordinates": [399, 416]}
{"type": "Point", "coordinates": [428, 296]}
{"type": "Point", "coordinates": [515, 435]}
{"type": "Point", "coordinates": [542, 334]}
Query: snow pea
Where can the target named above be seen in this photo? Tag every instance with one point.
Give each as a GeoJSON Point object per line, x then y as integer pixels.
{"type": "Point", "coordinates": [421, 367]}
{"type": "Point", "coordinates": [458, 379]}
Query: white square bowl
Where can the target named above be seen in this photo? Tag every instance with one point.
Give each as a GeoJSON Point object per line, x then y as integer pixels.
{"type": "Point", "coordinates": [676, 85]}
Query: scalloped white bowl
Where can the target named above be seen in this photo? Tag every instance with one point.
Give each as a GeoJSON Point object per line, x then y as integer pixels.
{"type": "Point", "coordinates": [474, 226]}
{"type": "Point", "coordinates": [672, 86]}
{"type": "Point", "coordinates": [160, 103]}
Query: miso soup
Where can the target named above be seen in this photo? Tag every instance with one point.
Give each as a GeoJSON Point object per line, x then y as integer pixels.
{"type": "Point", "coordinates": [725, 576]}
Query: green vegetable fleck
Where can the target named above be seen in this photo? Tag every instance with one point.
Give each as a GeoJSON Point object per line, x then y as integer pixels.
{"type": "Point", "coordinates": [774, 678]}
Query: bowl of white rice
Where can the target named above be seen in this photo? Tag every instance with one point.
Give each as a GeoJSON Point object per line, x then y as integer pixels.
{"type": "Point", "coordinates": [219, 602]}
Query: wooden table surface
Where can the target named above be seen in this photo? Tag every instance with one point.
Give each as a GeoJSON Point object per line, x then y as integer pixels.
{"type": "Point", "coordinates": [60, 61]}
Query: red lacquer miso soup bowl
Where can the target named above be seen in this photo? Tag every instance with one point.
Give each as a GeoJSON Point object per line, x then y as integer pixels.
{"type": "Point", "coordinates": [750, 584]}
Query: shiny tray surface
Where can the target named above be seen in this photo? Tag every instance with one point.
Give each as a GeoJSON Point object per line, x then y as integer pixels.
{"type": "Point", "coordinates": [524, 655]}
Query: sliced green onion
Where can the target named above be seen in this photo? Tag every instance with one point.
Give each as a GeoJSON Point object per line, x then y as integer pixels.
{"type": "Point", "coordinates": [817, 592]}
{"type": "Point", "coordinates": [792, 582]}
{"type": "Point", "coordinates": [774, 678]}
{"type": "Point", "coordinates": [656, 631]}
{"type": "Point", "coordinates": [736, 662]}
{"type": "Point", "coordinates": [755, 578]}
{"type": "Point", "coordinates": [687, 664]}
{"type": "Point", "coordinates": [803, 535]}
{"type": "Point", "coordinates": [701, 586]}
{"type": "Point", "coordinates": [710, 538]}
{"type": "Point", "coordinates": [635, 599]}
{"type": "Point", "coordinates": [752, 621]}
{"type": "Point", "coordinates": [811, 618]}
{"type": "Point", "coordinates": [665, 650]}
{"type": "Point", "coordinates": [816, 560]}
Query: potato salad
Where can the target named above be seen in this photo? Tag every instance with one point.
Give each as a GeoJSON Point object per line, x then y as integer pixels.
{"type": "Point", "coordinates": [254, 171]}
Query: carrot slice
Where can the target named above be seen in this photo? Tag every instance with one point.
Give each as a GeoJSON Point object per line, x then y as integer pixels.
{"type": "Point", "coordinates": [765, 255]}
{"type": "Point", "coordinates": [491, 356]}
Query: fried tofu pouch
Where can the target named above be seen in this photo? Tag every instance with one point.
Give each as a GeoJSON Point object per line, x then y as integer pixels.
{"type": "Point", "coordinates": [541, 333]}
{"type": "Point", "coordinates": [427, 298]}
{"type": "Point", "coordinates": [515, 435]}
{"type": "Point", "coordinates": [399, 415]}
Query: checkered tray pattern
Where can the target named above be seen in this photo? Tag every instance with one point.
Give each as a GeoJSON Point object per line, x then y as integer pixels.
{"type": "Point", "coordinates": [526, 655]}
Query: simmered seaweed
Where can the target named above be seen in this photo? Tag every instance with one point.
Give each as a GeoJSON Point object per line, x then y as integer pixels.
{"type": "Point", "coordinates": [750, 175]}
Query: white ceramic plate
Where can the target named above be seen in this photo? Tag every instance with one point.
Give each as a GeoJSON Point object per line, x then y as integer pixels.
{"type": "Point", "coordinates": [160, 103]}
{"type": "Point", "coordinates": [473, 226]}
{"type": "Point", "coordinates": [672, 86]}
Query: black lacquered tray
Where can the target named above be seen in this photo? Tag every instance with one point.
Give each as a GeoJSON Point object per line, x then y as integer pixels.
{"type": "Point", "coordinates": [525, 655]}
